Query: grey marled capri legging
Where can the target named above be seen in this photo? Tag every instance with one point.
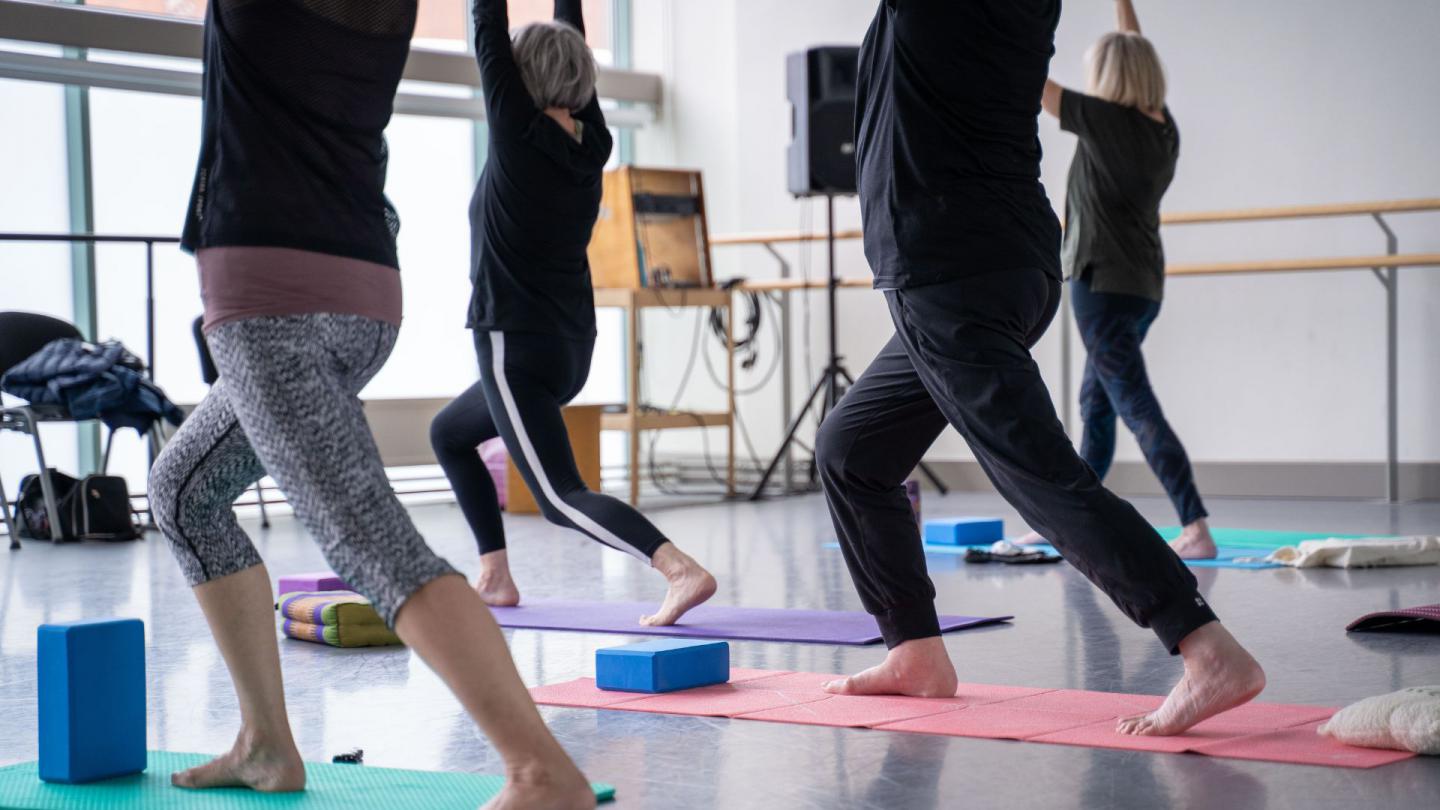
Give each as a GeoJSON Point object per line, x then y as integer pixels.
{"type": "Point", "coordinates": [286, 402]}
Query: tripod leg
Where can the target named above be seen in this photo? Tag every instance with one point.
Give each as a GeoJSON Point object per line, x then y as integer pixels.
{"type": "Point", "coordinates": [934, 479]}
{"type": "Point", "coordinates": [789, 437]}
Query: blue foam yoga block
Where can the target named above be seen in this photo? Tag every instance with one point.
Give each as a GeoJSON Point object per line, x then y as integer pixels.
{"type": "Point", "coordinates": [662, 665]}
{"type": "Point", "coordinates": [92, 699]}
{"type": "Point", "coordinates": [964, 531]}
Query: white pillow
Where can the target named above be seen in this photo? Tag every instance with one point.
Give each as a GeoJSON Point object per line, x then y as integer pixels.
{"type": "Point", "coordinates": [1408, 720]}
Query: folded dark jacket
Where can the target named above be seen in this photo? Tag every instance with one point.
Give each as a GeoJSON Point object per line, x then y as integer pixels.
{"type": "Point", "coordinates": [91, 381]}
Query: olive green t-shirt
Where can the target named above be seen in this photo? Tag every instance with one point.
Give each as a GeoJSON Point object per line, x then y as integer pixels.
{"type": "Point", "coordinates": [1123, 164]}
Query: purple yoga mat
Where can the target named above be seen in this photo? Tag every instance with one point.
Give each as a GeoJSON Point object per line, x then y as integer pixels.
{"type": "Point", "coordinates": [712, 621]}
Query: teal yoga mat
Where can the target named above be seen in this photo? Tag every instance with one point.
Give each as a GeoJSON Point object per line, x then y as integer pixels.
{"type": "Point", "coordinates": [328, 787]}
{"type": "Point", "coordinates": [1264, 539]}
{"type": "Point", "coordinates": [1234, 545]}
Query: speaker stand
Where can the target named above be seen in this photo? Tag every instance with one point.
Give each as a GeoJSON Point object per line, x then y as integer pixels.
{"type": "Point", "coordinates": [830, 378]}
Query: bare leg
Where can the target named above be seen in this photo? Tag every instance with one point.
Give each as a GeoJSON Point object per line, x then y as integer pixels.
{"type": "Point", "coordinates": [446, 623]}
{"type": "Point", "coordinates": [241, 613]}
{"type": "Point", "coordinates": [1195, 542]}
{"type": "Point", "coordinates": [918, 668]}
{"type": "Point", "coordinates": [495, 586]}
{"type": "Point", "coordinates": [1219, 675]}
{"type": "Point", "coordinates": [690, 584]}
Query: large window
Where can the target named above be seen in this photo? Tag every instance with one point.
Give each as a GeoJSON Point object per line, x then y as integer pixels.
{"type": "Point", "coordinates": [141, 150]}
{"type": "Point", "coordinates": [34, 277]}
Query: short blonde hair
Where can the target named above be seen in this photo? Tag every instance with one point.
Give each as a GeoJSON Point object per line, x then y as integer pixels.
{"type": "Point", "coordinates": [556, 65]}
{"type": "Point", "coordinates": [1125, 69]}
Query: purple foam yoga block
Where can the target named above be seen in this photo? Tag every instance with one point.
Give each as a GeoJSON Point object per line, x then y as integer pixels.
{"type": "Point", "coordinates": [322, 581]}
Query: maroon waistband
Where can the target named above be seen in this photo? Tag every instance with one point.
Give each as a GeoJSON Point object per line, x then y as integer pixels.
{"type": "Point", "coordinates": [237, 283]}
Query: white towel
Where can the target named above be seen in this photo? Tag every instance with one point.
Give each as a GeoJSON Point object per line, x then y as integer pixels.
{"type": "Point", "coordinates": [1408, 720]}
{"type": "Point", "coordinates": [1364, 553]}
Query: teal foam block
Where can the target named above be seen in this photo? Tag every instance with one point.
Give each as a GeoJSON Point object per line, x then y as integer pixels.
{"type": "Point", "coordinates": [91, 696]}
{"type": "Point", "coordinates": [328, 787]}
{"type": "Point", "coordinates": [662, 665]}
{"type": "Point", "coordinates": [964, 531]}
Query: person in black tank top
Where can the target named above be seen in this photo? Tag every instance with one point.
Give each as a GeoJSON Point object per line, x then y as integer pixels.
{"type": "Point", "coordinates": [960, 236]}
{"type": "Point", "coordinates": [532, 310]}
{"type": "Point", "coordinates": [297, 94]}
{"type": "Point", "coordinates": [1124, 161]}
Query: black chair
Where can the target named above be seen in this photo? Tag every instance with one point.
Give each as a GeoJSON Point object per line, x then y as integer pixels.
{"type": "Point", "coordinates": [21, 335]}
{"type": "Point", "coordinates": [209, 373]}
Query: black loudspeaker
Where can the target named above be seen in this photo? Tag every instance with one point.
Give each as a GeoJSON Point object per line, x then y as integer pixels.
{"type": "Point", "coordinates": [820, 83]}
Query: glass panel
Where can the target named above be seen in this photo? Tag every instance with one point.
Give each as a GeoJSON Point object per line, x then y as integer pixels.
{"type": "Point", "coordinates": [430, 180]}
{"type": "Point", "coordinates": [34, 277]}
{"type": "Point", "coordinates": [597, 22]}
{"type": "Point", "coordinates": [440, 22]}
{"type": "Point", "coordinates": [142, 149]}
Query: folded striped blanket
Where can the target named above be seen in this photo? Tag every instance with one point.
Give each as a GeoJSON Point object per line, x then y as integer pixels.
{"type": "Point", "coordinates": [336, 618]}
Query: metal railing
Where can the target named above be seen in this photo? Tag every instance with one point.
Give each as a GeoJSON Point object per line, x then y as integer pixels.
{"type": "Point", "coordinates": [94, 238]}
{"type": "Point", "coordinates": [1385, 267]}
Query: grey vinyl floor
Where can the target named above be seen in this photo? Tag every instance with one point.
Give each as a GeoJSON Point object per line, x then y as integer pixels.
{"type": "Point", "coordinates": [1066, 634]}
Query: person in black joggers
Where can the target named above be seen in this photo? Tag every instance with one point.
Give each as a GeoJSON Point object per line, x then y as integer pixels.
{"type": "Point", "coordinates": [962, 239]}
{"type": "Point", "coordinates": [532, 309]}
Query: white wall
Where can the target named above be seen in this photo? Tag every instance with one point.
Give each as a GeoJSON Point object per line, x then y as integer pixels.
{"type": "Point", "coordinates": [1288, 101]}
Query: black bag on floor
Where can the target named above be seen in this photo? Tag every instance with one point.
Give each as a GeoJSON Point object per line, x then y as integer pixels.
{"type": "Point", "coordinates": [96, 508]}
{"type": "Point", "coordinates": [32, 521]}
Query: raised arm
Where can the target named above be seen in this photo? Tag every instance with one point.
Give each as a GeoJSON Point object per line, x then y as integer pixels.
{"type": "Point", "coordinates": [505, 94]}
{"type": "Point", "coordinates": [1125, 18]}
{"type": "Point", "coordinates": [569, 11]}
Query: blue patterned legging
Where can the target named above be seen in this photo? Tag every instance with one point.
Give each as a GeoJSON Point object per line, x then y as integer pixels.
{"type": "Point", "coordinates": [1113, 327]}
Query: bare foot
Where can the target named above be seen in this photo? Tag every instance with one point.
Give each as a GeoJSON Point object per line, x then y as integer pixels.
{"type": "Point", "coordinates": [1195, 542]}
{"type": "Point", "coordinates": [557, 787]}
{"type": "Point", "coordinates": [917, 668]}
{"type": "Point", "coordinates": [1219, 675]}
{"type": "Point", "coordinates": [495, 586]}
{"type": "Point", "coordinates": [689, 585]}
{"type": "Point", "coordinates": [269, 767]}
{"type": "Point", "coordinates": [1031, 539]}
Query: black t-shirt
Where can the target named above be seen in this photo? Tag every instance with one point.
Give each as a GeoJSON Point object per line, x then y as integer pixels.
{"type": "Point", "coordinates": [1123, 164]}
{"type": "Point", "coordinates": [537, 199]}
{"type": "Point", "coordinates": [297, 95]}
{"type": "Point", "coordinates": [948, 139]}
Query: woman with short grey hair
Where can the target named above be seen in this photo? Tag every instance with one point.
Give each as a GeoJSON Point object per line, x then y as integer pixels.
{"type": "Point", "coordinates": [1114, 259]}
{"type": "Point", "coordinates": [532, 311]}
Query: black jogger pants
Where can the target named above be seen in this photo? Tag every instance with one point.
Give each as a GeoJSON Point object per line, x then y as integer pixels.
{"type": "Point", "coordinates": [961, 355]}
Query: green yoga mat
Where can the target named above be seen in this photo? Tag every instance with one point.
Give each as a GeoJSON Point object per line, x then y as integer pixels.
{"type": "Point", "coordinates": [328, 787]}
{"type": "Point", "coordinates": [1260, 538]}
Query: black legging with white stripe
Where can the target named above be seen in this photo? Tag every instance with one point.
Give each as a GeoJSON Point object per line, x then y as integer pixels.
{"type": "Point", "coordinates": [524, 380]}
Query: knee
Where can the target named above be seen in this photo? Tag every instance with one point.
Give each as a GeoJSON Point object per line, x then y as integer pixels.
{"type": "Point", "coordinates": [445, 438]}
{"type": "Point", "coordinates": [163, 493]}
{"type": "Point", "coordinates": [551, 508]}
{"type": "Point", "coordinates": [832, 446]}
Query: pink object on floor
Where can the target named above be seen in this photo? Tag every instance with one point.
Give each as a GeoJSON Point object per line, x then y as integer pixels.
{"type": "Point", "coordinates": [722, 700]}
{"type": "Point", "coordinates": [998, 721]}
{"type": "Point", "coordinates": [305, 583]}
{"type": "Point", "coordinates": [1077, 701]}
{"type": "Point", "coordinates": [848, 711]}
{"type": "Point", "coordinates": [1264, 731]}
{"type": "Point", "coordinates": [790, 681]}
{"type": "Point", "coordinates": [495, 456]}
{"type": "Point", "coordinates": [980, 694]}
{"type": "Point", "coordinates": [743, 675]}
{"type": "Point", "coordinates": [581, 693]}
{"type": "Point", "coordinates": [1102, 734]}
{"type": "Point", "coordinates": [1301, 745]}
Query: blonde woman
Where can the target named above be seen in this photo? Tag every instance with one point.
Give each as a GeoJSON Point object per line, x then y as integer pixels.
{"type": "Point", "coordinates": [1113, 257]}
